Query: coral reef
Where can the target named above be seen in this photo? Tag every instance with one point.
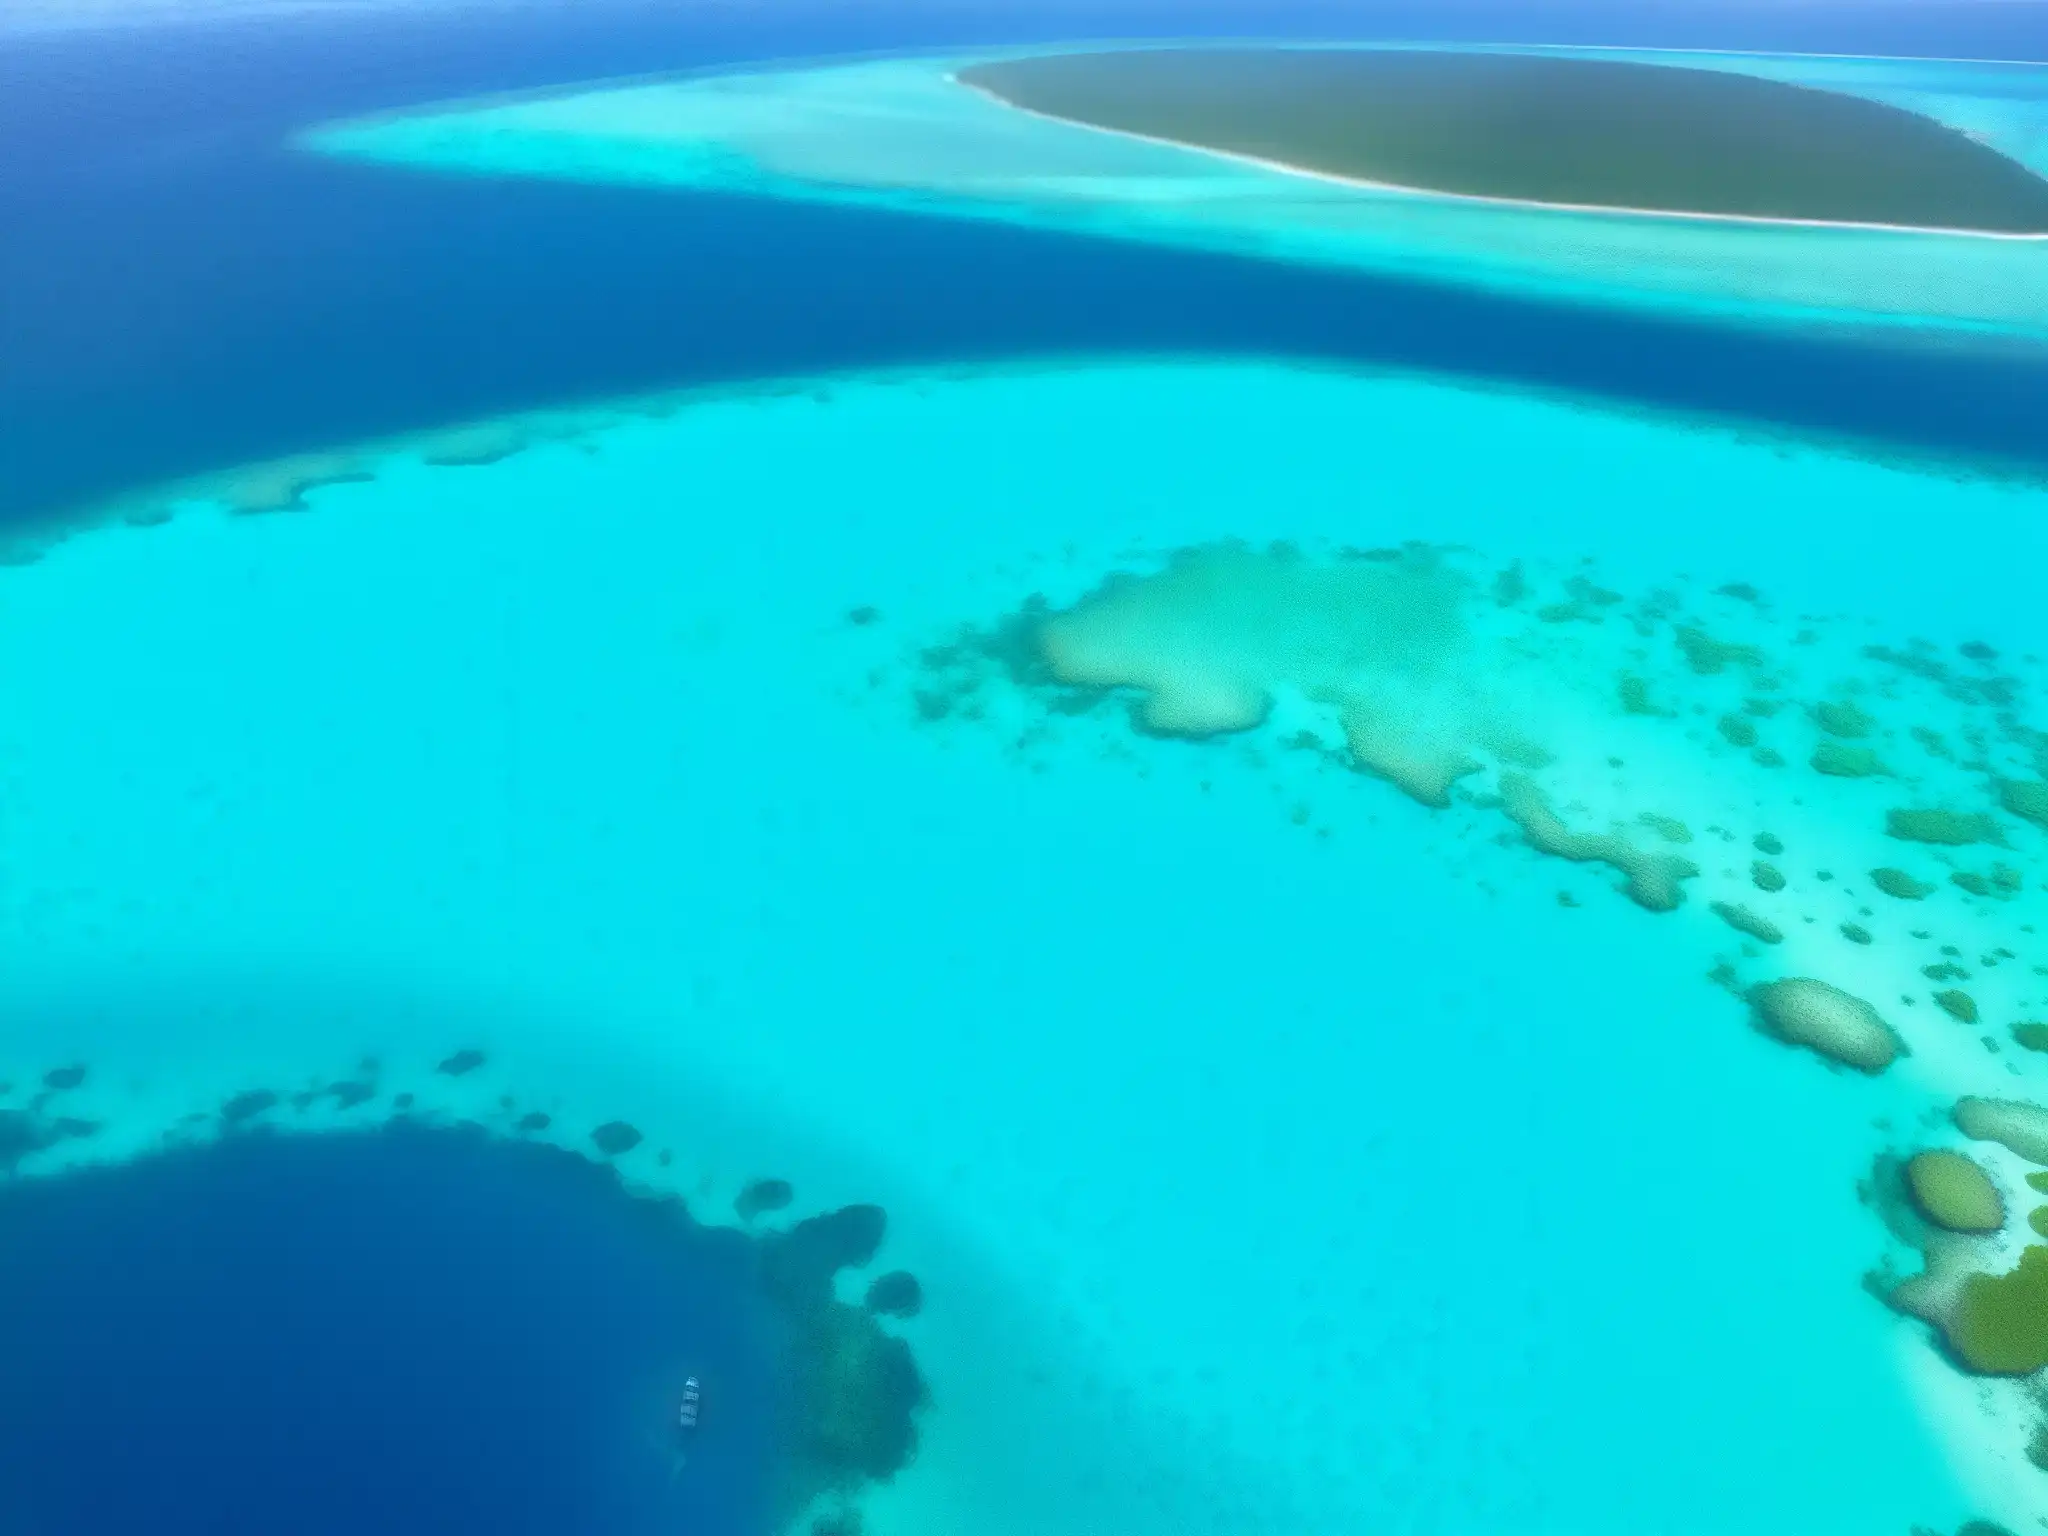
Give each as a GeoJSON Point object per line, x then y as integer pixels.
{"type": "Point", "coordinates": [1828, 1021]}
{"type": "Point", "coordinates": [856, 1387]}
{"type": "Point", "coordinates": [1952, 829]}
{"type": "Point", "coordinates": [1651, 880]}
{"type": "Point", "coordinates": [2019, 1127]}
{"type": "Point", "coordinates": [2000, 1325]}
{"type": "Point", "coordinates": [760, 1196]}
{"type": "Point", "coordinates": [1953, 1192]}
{"type": "Point", "coordinates": [1901, 886]}
{"type": "Point", "coordinates": [615, 1138]}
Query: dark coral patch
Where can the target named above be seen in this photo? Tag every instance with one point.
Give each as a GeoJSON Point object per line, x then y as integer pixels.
{"type": "Point", "coordinates": [244, 1107]}
{"type": "Point", "coordinates": [461, 1064]}
{"type": "Point", "coordinates": [858, 1388]}
{"type": "Point", "coordinates": [1957, 1004]}
{"type": "Point", "coordinates": [616, 1137]}
{"type": "Point", "coordinates": [63, 1079]}
{"type": "Point", "coordinates": [346, 1094]}
{"type": "Point", "coordinates": [23, 1133]}
{"type": "Point", "coordinates": [762, 1196]}
{"type": "Point", "coordinates": [896, 1294]}
{"type": "Point", "coordinates": [2001, 1322]}
{"type": "Point", "coordinates": [1950, 829]}
{"type": "Point", "coordinates": [1899, 885]}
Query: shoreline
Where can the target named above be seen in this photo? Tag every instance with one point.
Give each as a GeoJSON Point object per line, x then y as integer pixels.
{"type": "Point", "coordinates": [1364, 184]}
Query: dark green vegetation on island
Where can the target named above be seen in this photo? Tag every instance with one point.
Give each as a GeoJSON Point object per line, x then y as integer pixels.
{"type": "Point", "coordinates": [1555, 130]}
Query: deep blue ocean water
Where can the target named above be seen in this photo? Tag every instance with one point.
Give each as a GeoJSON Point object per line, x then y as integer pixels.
{"type": "Point", "coordinates": [182, 292]}
{"type": "Point", "coordinates": [401, 1330]}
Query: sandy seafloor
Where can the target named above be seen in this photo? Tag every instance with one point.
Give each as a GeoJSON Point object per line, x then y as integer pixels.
{"type": "Point", "coordinates": [1262, 1176]}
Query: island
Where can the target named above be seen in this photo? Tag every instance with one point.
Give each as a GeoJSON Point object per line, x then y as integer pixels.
{"type": "Point", "coordinates": [1544, 129]}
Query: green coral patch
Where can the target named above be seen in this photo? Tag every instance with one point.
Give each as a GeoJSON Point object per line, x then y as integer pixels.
{"type": "Point", "coordinates": [1843, 719]}
{"type": "Point", "coordinates": [1766, 876]}
{"type": "Point", "coordinates": [1670, 828]}
{"type": "Point", "coordinates": [1651, 880]}
{"type": "Point", "coordinates": [1742, 920]}
{"type": "Point", "coordinates": [1635, 698]}
{"type": "Point", "coordinates": [1828, 1021]}
{"type": "Point", "coordinates": [2000, 1326]}
{"type": "Point", "coordinates": [2025, 798]}
{"type": "Point", "coordinates": [1951, 829]}
{"type": "Point", "coordinates": [1957, 1004]}
{"type": "Point", "coordinates": [1999, 883]}
{"type": "Point", "coordinates": [1738, 731]}
{"type": "Point", "coordinates": [1954, 1193]}
{"type": "Point", "coordinates": [2021, 1128]}
{"type": "Point", "coordinates": [1899, 884]}
{"type": "Point", "coordinates": [1840, 762]}
{"type": "Point", "coordinates": [2031, 1035]}
{"type": "Point", "coordinates": [1706, 655]}
{"type": "Point", "coordinates": [1426, 772]}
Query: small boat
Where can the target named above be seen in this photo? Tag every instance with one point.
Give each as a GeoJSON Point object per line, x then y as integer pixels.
{"type": "Point", "coordinates": [686, 1415]}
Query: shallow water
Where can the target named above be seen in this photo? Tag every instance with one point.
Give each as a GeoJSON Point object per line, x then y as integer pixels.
{"type": "Point", "coordinates": [1277, 1144]}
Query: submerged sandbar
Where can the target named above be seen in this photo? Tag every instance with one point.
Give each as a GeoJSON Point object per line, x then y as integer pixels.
{"type": "Point", "coordinates": [1530, 128]}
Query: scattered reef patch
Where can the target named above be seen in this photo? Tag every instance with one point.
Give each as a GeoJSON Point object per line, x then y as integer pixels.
{"type": "Point", "coordinates": [1206, 641]}
{"type": "Point", "coordinates": [1842, 719]}
{"type": "Point", "coordinates": [1533, 709]}
{"type": "Point", "coordinates": [1844, 762]}
{"type": "Point", "coordinates": [1957, 1004]}
{"type": "Point", "coordinates": [859, 1388]}
{"type": "Point", "coordinates": [1742, 920]}
{"type": "Point", "coordinates": [42, 1123]}
{"type": "Point", "coordinates": [1954, 1193]}
{"type": "Point", "coordinates": [1899, 885]}
{"type": "Point", "coordinates": [2000, 1326]}
{"type": "Point", "coordinates": [1651, 880]}
{"type": "Point", "coordinates": [2021, 1128]}
{"type": "Point", "coordinates": [760, 1196]}
{"type": "Point", "coordinates": [896, 1294]}
{"type": "Point", "coordinates": [1828, 1021]}
{"type": "Point", "coordinates": [2025, 798]}
{"type": "Point", "coordinates": [1952, 829]}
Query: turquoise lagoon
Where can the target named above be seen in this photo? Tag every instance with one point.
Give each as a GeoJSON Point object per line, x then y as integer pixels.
{"type": "Point", "coordinates": [1282, 1145]}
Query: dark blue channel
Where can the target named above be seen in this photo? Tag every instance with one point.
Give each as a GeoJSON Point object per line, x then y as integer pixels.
{"type": "Point", "coordinates": [179, 291]}
{"type": "Point", "coordinates": [406, 1330]}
